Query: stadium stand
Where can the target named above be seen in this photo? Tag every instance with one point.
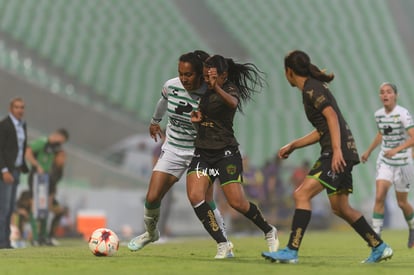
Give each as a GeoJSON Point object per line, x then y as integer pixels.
{"type": "Point", "coordinates": [104, 44]}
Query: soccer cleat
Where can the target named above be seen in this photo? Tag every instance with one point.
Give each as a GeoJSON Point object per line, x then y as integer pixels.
{"type": "Point", "coordinates": [379, 253]}
{"type": "Point", "coordinates": [272, 240]}
{"type": "Point", "coordinates": [411, 238]}
{"type": "Point", "coordinates": [224, 250]}
{"type": "Point", "coordinates": [284, 256]}
{"type": "Point", "coordinates": [140, 241]}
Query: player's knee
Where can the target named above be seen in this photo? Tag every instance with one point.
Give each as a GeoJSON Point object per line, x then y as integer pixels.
{"type": "Point", "coordinates": [195, 197]}
{"type": "Point", "coordinates": [152, 198]}
{"type": "Point", "coordinates": [241, 206]}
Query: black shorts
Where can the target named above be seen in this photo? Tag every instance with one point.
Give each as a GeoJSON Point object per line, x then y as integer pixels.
{"type": "Point", "coordinates": [224, 164]}
{"type": "Point", "coordinates": [334, 183]}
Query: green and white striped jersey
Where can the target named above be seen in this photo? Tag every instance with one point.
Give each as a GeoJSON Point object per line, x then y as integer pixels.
{"type": "Point", "coordinates": [180, 132]}
{"type": "Point", "coordinates": [393, 128]}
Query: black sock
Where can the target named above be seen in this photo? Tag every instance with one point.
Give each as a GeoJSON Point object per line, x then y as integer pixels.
{"type": "Point", "coordinates": [206, 215]}
{"type": "Point", "coordinates": [257, 218]}
{"type": "Point", "coordinates": [366, 232]}
{"type": "Point", "coordinates": [300, 222]}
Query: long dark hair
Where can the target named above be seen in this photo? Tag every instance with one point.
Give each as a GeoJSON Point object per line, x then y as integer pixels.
{"type": "Point", "coordinates": [247, 77]}
{"type": "Point", "coordinates": [196, 59]}
{"type": "Point", "coordinates": [301, 65]}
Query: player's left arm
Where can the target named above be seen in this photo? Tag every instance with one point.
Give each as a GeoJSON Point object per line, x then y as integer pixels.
{"type": "Point", "coordinates": [338, 162]}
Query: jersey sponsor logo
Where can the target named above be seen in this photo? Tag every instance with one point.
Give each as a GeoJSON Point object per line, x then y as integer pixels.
{"type": "Point", "coordinates": [212, 221]}
{"type": "Point", "coordinates": [184, 107]}
{"type": "Point", "coordinates": [297, 237]}
{"type": "Point", "coordinates": [387, 130]}
{"type": "Point", "coordinates": [205, 172]}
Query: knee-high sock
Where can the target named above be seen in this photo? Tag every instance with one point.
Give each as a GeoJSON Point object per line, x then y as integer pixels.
{"type": "Point", "coordinates": [219, 217]}
{"type": "Point", "coordinates": [151, 217]}
{"type": "Point", "coordinates": [257, 218]}
{"type": "Point", "coordinates": [366, 232]}
{"type": "Point", "coordinates": [206, 215]}
{"type": "Point", "coordinates": [300, 222]}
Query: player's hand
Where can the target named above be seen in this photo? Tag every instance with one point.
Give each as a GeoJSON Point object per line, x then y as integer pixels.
{"type": "Point", "coordinates": [212, 77]}
{"type": "Point", "coordinates": [390, 153]}
{"type": "Point", "coordinates": [285, 151]}
{"type": "Point", "coordinates": [364, 157]}
{"type": "Point", "coordinates": [39, 170]}
{"type": "Point", "coordinates": [155, 131]}
{"type": "Point", "coordinates": [196, 116]}
{"type": "Point", "coordinates": [338, 163]}
{"type": "Point", "coordinates": [8, 177]}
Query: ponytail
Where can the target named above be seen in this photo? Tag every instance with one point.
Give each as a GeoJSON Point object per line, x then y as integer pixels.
{"type": "Point", "coordinates": [301, 65]}
{"type": "Point", "coordinates": [247, 77]}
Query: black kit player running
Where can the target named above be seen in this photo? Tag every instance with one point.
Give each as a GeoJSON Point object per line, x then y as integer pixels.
{"type": "Point", "coordinates": [332, 171]}
{"type": "Point", "coordinates": [216, 155]}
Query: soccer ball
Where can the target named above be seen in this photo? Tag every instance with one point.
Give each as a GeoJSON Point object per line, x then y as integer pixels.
{"type": "Point", "coordinates": [103, 242]}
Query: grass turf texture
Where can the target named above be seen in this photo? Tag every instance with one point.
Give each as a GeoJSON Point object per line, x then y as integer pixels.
{"type": "Point", "coordinates": [322, 252]}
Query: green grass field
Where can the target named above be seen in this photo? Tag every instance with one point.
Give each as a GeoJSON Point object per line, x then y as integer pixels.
{"type": "Point", "coordinates": [322, 252]}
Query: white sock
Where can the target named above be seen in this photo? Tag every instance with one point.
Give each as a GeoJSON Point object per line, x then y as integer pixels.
{"type": "Point", "coordinates": [151, 217]}
{"type": "Point", "coordinates": [411, 223]}
{"type": "Point", "coordinates": [377, 225]}
{"type": "Point", "coordinates": [220, 221]}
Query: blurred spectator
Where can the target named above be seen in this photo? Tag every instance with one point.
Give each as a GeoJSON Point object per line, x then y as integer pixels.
{"type": "Point", "coordinates": [299, 174]}
{"type": "Point", "coordinates": [47, 156]}
{"type": "Point", "coordinates": [13, 139]}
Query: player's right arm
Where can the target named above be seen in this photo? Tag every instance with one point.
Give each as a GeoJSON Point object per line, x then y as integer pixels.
{"type": "Point", "coordinates": [32, 160]}
{"type": "Point", "coordinates": [304, 141]}
{"type": "Point", "coordinates": [377, 141]}
{"type": "Point", "coordinates": [159, 112]}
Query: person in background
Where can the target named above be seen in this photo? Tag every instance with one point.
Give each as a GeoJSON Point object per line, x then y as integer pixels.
{"type": "Point", "coordinates": [13, 140]}
{"type": "Point", "coordinates": [394, 163]}
{"type": "Point", "coordinates": [46, 156]}
{"type": "Point", "coordinates": [333, 169]}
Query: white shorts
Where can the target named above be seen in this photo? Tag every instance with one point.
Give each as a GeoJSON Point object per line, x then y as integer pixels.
{"type": "Point", "coordinates": [400, 176]}
{"type": "Point", "coordinates": [172, 163]}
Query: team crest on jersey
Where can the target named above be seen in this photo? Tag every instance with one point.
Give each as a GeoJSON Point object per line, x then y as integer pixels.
{"type": "Point", "coordinates": [231, 169]}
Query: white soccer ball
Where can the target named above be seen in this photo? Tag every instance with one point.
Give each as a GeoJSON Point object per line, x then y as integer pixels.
{"type": "Point", "coordinates": [103, 242]}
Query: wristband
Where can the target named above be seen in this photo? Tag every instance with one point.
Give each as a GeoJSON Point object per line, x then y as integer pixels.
{"type": "Point", "coordinates": [155, 121]}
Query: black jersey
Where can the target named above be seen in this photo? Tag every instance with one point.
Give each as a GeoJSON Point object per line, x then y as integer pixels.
{"type": "Point", "coordinates": [316, 97]}
{"type": "Point", "coordinates": [216, 129]}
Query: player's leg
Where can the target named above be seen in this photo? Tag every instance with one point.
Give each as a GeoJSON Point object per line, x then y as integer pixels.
{"type": "Point", "coordinates": [303, 195]}
{"type": "Point", "coordinates": [159, 185]}
{"type": "Point", "coordinates": [217, 213]}
{"type": "Point", "coordinates": [236, 198]}
{"type": "Point", "coordinates": [407, 209]}
{"type": "Point", "coordinates": [382, 187]}
{"type": "Point", "coordinates": [403, 180]}
{"type": "Point", "coordinates": [197, 186]}
{"type": "Point", "coordinates": [340, 206]}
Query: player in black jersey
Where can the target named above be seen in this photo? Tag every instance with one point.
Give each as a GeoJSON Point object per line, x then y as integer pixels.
{"type": "Point", "coordinates": [332, 171]}
{"type": "Point", "coordinates": [217, 155]}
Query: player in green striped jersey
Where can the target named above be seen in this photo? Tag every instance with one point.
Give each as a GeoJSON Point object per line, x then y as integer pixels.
{"type": "Point", "coordinates": [394, 163]}
{"type": "Point", "coordinates": [180, 97]}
